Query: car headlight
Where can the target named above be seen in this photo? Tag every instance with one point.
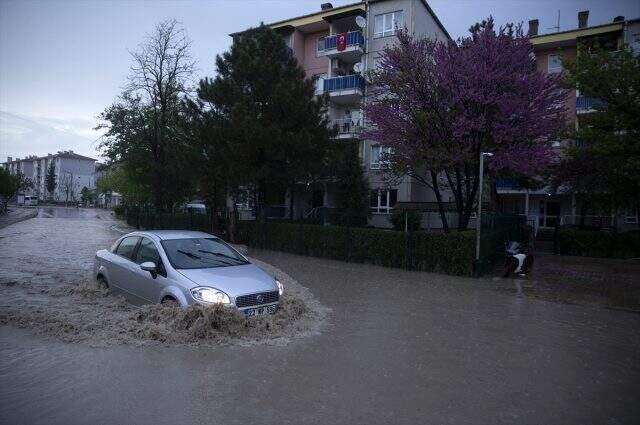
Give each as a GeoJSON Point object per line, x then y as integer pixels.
{"type": "Point", "coordinates": [210, 295]}
{"type": "Point", "coordinates": [280, 287]}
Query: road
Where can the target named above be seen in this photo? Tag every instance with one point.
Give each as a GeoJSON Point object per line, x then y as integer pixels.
{"type": "Point", "coordinates": [400, 347]}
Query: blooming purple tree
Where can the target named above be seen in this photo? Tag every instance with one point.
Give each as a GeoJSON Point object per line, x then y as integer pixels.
{"type": "Point", "coordinates": [438, 105]}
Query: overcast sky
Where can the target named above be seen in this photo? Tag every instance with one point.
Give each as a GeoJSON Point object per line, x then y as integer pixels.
{"type": "Point", "coordinates": [62, 62]}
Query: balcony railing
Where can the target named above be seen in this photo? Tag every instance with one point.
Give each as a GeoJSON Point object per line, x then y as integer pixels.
{"type": "Point", "coordinates": [354, 38]}
{"type": "Point", "coordinates": [584, 103]}
{"type": "Point", "coordinates": [349, 82]}
{"type": "Point", "coordinates": [347, 126]}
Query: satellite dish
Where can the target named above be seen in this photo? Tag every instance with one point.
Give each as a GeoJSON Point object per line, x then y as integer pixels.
{"type": "Point", "coordinates": [357, 67]}
{"type": "Point", "coordinates": [360, 21]}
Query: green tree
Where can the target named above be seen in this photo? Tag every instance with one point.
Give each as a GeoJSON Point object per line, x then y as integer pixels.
{"type": "Point", "coordinates": [144, 127]}
{"type": "Point", "coordinates": [605, 163]}
{"type": "Point", "coordinates": [118, 178]}
{"type": "Point", "coordinates": [273, 121]}
{"type": "Point", "coordinates": [10, 184]}
{"type": "Point", "coordinates": [50, 179]}
{"type": "Point", "coordinates": [86, 195]}
{"type": "Point", "coordinates": [352, 194]}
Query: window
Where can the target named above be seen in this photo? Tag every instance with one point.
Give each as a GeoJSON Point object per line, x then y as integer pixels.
{"type": "Point", "coordinates": [319, 78]}
{"type": "Point", "coordinates": [378, 156]}
{"type": "Point", "coordinates": [382, 201]}
{"type": "Point", "coordinates": [387, 24]}
{"type": "Point", "coordinates": [320, 46]}
{"type": "Point", "coordinates": [554, 64]}
{"type": "Point", "coordinates": [631, 215]}
{"type": "Point", "coordinates": [127, 247]}
{"type": "Point", "coordinates": [148, 252]}
{"type": "Point", "coordinates": [201, 253]}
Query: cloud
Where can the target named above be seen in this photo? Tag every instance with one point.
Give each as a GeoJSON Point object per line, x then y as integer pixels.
{"type": "Point", "coordinates": [22, 135]}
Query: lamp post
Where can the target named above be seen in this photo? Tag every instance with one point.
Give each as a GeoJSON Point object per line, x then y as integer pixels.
{"type": "Point", "coordinates": [479, 219]}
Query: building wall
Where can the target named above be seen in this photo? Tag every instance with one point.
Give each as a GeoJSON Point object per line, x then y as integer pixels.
{"type": "Point", "coordinates": [424, 24]}
{"type": "Point", "coordinates": [312, 63]}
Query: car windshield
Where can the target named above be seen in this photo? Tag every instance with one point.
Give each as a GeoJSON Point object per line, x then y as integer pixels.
{"type": "Point", "coordinates": [201, 253]}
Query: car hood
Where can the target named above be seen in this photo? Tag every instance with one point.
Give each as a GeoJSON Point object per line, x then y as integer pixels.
{"type": "Point", "coordinates": [233, 280]}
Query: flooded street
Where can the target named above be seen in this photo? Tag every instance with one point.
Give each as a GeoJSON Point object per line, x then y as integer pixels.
{"type": "Point", "coordinates": [399, 347]}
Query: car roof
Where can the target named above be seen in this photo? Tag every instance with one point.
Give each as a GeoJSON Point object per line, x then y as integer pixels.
{"type": "Point", "coordinates": [173, 234]}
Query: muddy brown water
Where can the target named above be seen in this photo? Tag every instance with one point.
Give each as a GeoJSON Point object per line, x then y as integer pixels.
{"type": "Point", "coordinates": [400, 347]}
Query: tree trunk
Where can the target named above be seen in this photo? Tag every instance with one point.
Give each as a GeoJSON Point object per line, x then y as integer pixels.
{"type": "Point", "coordinates": [231, 205]}
{"type": "Point", "coordinates": [436, 190]}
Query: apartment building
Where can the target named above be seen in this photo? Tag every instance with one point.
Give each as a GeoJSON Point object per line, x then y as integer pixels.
{"type": "Point", "coordinates": [337, 46]}
{"type": "Point", "coordinates": [545, 208]}
{"type": "Point", "coordinates": [73, 172]}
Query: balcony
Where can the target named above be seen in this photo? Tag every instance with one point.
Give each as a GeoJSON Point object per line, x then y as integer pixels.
{"type": "Point", "coordinates": [586, 104]}
{"type": "Point", "coordinates": [328, 46]}
{"type": "Point", "coordinates": [345, 90]}
{"type": "Point", "coordinates": [347, 128]}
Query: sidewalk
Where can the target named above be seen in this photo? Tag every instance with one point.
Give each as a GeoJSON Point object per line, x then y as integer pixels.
{"type": "Point", "coordinates": [16, 215]}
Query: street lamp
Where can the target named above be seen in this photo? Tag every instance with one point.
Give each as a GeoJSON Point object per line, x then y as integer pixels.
{"type": "Point", "coordinates": [479, 219]}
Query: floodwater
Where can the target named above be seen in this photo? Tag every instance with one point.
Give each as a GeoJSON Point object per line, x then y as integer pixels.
{"type": "Point", "coordinates": [400, 347]}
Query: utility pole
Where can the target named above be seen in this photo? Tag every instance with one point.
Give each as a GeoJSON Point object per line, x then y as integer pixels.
{"type": "Point", "coordinates": [481, 185]}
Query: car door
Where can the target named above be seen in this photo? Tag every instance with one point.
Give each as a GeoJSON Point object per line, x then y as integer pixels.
{"type": "Point", "coordinates": [144, 283]}
{"type": "Point", "coordinates": [122, 269]}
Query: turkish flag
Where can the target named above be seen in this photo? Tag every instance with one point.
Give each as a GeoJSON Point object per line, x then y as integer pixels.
{"type": "Point", "coordinates": [341, 41]}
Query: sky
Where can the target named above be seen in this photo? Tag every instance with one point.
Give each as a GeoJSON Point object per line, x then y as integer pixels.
{"type": "Point", "coordinates": [62, 62]}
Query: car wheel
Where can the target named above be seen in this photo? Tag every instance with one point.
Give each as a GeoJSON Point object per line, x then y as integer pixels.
{"type": "Point", "coordinates": [169, 302]}
{"type": "Point", "coordinates": [102, 282]}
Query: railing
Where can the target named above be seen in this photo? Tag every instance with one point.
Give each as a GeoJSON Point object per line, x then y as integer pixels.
{"type": "Point", "coordinates": [354, 38]}
{"type": "Point", "coordinates": [347, 125]}
{"type": "Point", "coordinates": [344, 83]}
{"type": "Point", "coordinates": [584, 103]}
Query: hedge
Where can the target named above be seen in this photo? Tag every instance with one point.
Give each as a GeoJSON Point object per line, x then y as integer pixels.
{"type": "Point", "coordinates": [593, 243]}
{"type": "Point", "coordinates": [451, 253]}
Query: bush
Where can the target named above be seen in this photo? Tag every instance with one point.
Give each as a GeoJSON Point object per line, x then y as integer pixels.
{"type": "Point", "coordinates": [592, 243]}
{"type": "Point", "coordinates": [450, 253]}
{"type": "Point", "coordinates": [118, 210]}
{"type": "Point", "coordinates": [413, 219]}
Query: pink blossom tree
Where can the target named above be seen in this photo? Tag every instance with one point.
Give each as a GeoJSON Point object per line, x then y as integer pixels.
{"type": "Point", "coordinates": [438, 105]}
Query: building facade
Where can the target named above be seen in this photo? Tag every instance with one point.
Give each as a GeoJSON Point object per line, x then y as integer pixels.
{"type": "Point", "coordinates": [73, 172]}
{"type": "Point", "coordinates": [546, 208]}
{"type": "Point", "coordinates": [337, 47]}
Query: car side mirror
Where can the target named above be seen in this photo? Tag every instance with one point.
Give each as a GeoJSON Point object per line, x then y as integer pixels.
{"type": "Point", "coordinates": [149, 266]}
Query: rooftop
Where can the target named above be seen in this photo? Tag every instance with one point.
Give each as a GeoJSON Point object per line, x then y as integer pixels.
{"type": "Point", "coordinates": [60, 154]}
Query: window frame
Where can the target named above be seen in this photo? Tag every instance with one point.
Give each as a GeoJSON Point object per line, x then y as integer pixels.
{"type": "Point", "coordinates": [393, 30]}
{"type": "Point", "coordinates": [554, 70]}
{"type": "Point", "coordinates": [381, 164]}
{"type": "Point", "coordinates": [385, 194]}
{"type": "Point", "coordinates": [159, 266]}
{"type": "Point", "coordinates": [134, 253]}
{"type": "Point", "coordinates": [630, 216]}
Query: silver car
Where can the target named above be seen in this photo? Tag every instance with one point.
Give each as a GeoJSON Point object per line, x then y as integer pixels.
{"type": "Point", "coordinates": [184, 267]}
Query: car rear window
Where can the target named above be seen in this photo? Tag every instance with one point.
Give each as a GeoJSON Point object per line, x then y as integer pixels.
{"type": "Point", "coordinates": [201, 253]}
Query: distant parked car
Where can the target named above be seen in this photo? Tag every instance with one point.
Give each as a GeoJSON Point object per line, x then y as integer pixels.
{"type": "Point", "coordinates": [184, 268]}
{"type": "Point", "coordinates": [196, 207]}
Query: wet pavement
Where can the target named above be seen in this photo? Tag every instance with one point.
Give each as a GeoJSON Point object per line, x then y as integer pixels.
{"type": "Point", "coordinates": [400, 347]}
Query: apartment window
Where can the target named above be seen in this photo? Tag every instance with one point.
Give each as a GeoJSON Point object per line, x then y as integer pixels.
{"type": "Point", "coordinates": [382, 201]}
{"type": "Point", "coordinates": [554, 64]}
{"type": "Point", "coordinates": [320, 46]}
{"type": "Point", "coordinates": [319, 78]}
{"type": "Point", "coordinates": [631, 215]}
{"type": "Point", "coordinates": [378, 156]}
{"type": "Point", "coordinates": [387, 24]}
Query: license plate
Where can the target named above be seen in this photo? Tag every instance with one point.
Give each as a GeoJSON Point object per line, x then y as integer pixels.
{"type": "Point", "coordinates": [270, 309]}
